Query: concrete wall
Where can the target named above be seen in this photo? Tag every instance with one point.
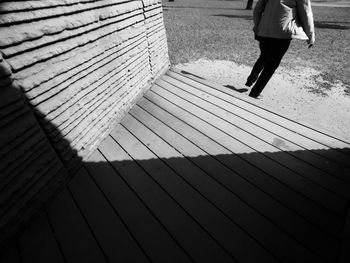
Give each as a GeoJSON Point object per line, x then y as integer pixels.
{"type": "Point", "coordinates": [30, 171]}
{"type": "Point", "coordinates": [76, 66]}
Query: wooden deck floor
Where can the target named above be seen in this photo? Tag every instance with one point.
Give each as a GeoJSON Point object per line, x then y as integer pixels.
{"type": "Point", "coordinates": [196, 174]}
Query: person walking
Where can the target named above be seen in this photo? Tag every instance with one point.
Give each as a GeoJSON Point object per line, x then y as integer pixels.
{"type": "Point", "coordinates": [276, 23]}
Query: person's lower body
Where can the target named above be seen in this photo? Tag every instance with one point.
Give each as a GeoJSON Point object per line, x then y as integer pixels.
{"type": "Point", "coordinates": [272, 51]}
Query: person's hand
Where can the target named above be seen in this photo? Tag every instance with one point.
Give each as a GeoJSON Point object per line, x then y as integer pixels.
{"type": "Point", "coordinates": [255, 30]}
{"type": "Point", "coordinates": [311, 40]}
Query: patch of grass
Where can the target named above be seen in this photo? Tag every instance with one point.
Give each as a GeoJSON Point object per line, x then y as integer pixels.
{"type": "Point", "coordinates": [222, 30]}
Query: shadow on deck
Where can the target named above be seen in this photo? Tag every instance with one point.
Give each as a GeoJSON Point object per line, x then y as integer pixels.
{"type": "Point", "coordinates": [196, 174]}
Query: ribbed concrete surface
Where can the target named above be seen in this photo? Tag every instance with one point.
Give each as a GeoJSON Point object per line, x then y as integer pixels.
{"type": "Point", "coordinates": [70, 69]}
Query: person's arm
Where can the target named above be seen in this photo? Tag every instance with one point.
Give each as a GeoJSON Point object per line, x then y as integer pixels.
{"type": "Point", "coordinates": [258, 10]}
{"type": "Point", "coordinates": [306, 19]}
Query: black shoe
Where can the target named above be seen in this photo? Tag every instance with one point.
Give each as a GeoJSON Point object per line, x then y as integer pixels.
{"type": "Point", "coordinates": [254, 95]}
{"type": "Point", "coordinates": [249, 83]}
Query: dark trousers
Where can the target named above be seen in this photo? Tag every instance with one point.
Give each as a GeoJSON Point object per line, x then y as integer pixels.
{"type": "Point", "coordinates": [272, 51]}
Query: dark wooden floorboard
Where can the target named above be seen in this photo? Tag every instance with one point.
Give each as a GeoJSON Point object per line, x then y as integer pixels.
{"type": "Point", "coordinates": [198, 173]}
{"type": "Point", "coordinates": [344, 254]}
{"type": "Point", "coordinates": [37, 243]}
{"type": "Point", "coordinates": [298, 228]}
{"type": "Point", "coordinates": [271, 187]}
{"type": "Point", "coordinates": [326, 170]}
{"type": "Point", "coordinates": [205, 181]}
{"type": "Point", "coordinates": [10, 253]}
{"type": "Point", "coordinates": [253, 164]}
{"type": "Point", "coordinates": [179, 223]}
{"type": "Point", "coordinates": [150, 234]}
{"type": "Point", "coordinates": [110, 231]}
{"type": "Point", "coordinates": [221, 228]}
{"type": "Point", "coordinates": [250, 143]}
{"type": "Point", "coordinates": [298, 134]}
{"type": "Point", "coordinates": [74, 235]}
{"type": "Point", "coordinates": [304, 143]}
{"type": "Point", "coordinates": [313, 134]}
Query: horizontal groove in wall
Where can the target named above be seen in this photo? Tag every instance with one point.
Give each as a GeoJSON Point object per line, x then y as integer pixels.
{"type": "Point", "coordinates": [13, 219]}
{"type": "Point", "coordinates": [11, 145]}
{"type": "Point", "coordinates": [20, 5]}
{"type": "Point", "coordinates": [47, 40]}
{"type": "Point", "coordinates": [19, 182]}
{"type": "Point", "coordinates": [21, 152]}
{"type": "Point", "coordinates": [74, 102]}
{"type": "Point", "coordinates": [158, 51]}
{"type": "Point", "coordinates": [9, 98]}
{"type": "Point", "coordinates": [47, 79]}
{"type": "Point", "coordinates": [39, 74]}
{"type": "Point", "coordinates": [9, 132]}
{"type": "Point", "coordinates": [159, 45]}
{"type": "Point", "coordinates": [112, 83]}
{"type": "Point", "coordinates": [26, 193]}
{"type": "Point", "coordinates": [117, 70]}
{"type": "Point", "coordinates": [109, 105]}
{"type": "Point", "coordinates": [10, 104]}
{"type": "Point", "coordinates": [45, 53]}
{"type": "Point", "coordinates": [153, 19]}
{"type": "Point", "coordinates": [153, 11]}
{"type": "Point", "coordinates": [159, 54]}
{"type": "Point", "coordinates": [63, 30]}
{"type": "Point", "coordinates": [16, 191]}
{"type": "Point", "coordinates": [126, 107]}
{"type": "Point", "coordinates": [111, 108]}
{"type": "Point", "coordinates": [24, 161]}
{"type": "Point", "coordinates": [155, 29]}
{"type": "Point", "coordinates": [72, 143]}
{"type": "Point", "coordinates": [12, 151]}
{"type": "Point", "coordinates": [85, 74]}
{"type": "Point", "coordinates": [12, 113]}
{"type": "Point", "coordinates": [21, 17]}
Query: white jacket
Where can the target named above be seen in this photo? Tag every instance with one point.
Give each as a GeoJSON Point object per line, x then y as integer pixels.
{"type": "Point", "coordinates": [284, 19]}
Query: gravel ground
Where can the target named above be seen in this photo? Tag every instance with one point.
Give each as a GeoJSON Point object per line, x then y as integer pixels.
{"type": "Point", "coordinates": [295, 93]}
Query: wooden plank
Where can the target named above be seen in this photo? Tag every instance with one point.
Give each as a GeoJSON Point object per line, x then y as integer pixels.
{"type": "Point", "coordinates": [318, 154]}
{"type": "Point", "coordinates": [243, 143]}
{"type": "Point", "coordinates": [150, 234]}
{"type": "Point", "coordinates": [205, 212]}
{"type": "Point", "coordinates": [244, 216]}
{"type": "Point", "coordinates": [302, 129]}
{"type": "Point", "coordinates": [107, 226]}
{"type": "Point", "coordinates": [73, 234]}
{"type": "Point", "coordinates": [38, 244]}
{"type": "Point", "coordinates": [10, 253]}
{"type": "Point", "coordinates": [254, 173]}
{"type": "Point", "coordinates": [182, 227]}
{"type": "Point", "coordinates": [252, 113]}
{"type": "Point", "coordinates": [257, 141]}
{"type": "Point", "coordinates": [203, 142]}
{"type": "Point", "coordinates": [306, 164]}
{"type": "Point", "coordinates": [251, 219]}
{"type": "Point", "coordinates": [344, 253]}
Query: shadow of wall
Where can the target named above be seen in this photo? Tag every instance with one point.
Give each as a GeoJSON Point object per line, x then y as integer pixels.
{"type": "Point", "coordinates": [129, 207]}
{"type": "Point", "coordinates": [261, 197]}
{"type": "Point", "coordinates": [69, 72]}
{"type": "Point", "coordinates": [30, 169]}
